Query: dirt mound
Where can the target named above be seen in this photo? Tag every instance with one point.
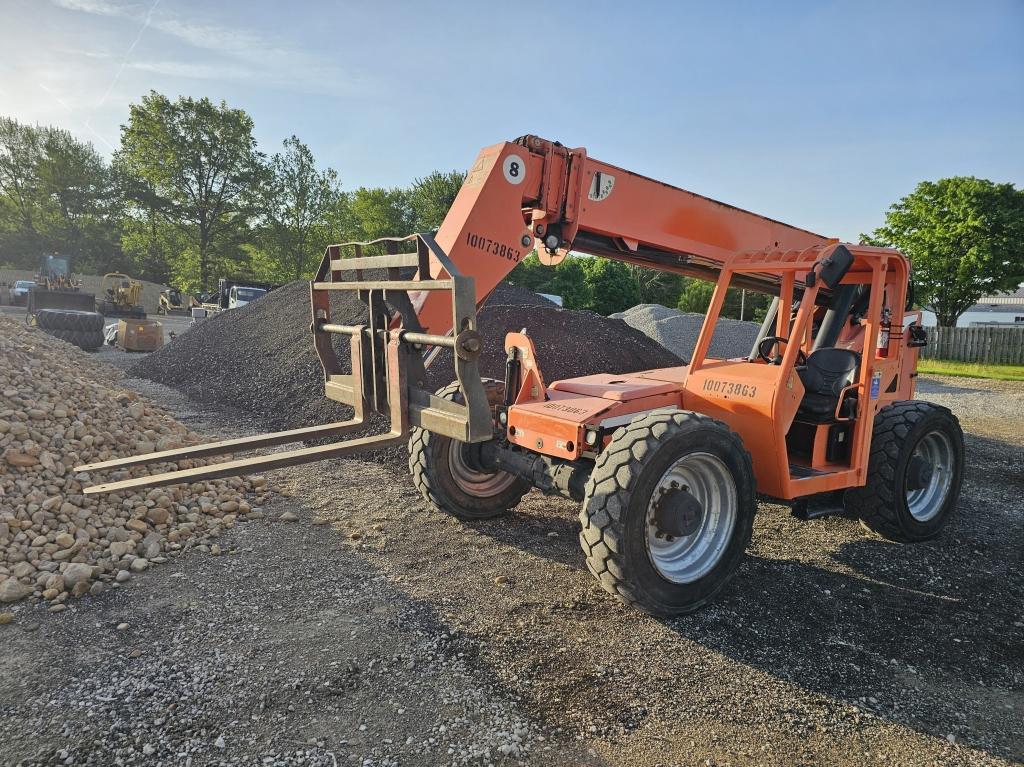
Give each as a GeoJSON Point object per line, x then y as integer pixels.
{"type": "Point", "coordinates": [260, 357]}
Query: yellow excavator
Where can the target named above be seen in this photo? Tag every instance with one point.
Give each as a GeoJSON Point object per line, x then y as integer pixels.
{"type": "Point", "coordinates": [120, 296]}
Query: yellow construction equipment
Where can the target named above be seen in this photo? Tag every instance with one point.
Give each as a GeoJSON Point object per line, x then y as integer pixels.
{"type": "Point", "coordinates": [57, 288]}
{"type": "Point", "coordinates": [120, 296]}
{"type": "Point", "coordinates": [174, 302]}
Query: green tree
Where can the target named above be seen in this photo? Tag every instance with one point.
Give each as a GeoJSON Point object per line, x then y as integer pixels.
{"type": "Point", "coordinates": [153, 247]}
{"type": "Point", "coordinates": [654, 286]}
{"type": "Point", "coordinates": [531, 274]}
{"type": "Point", "coordinates": [20, 154]}
{"type": "Point", "coordinates": [76, 195]}
{"type": "Point", "coordinates": [294, 203]}
{"type": "Point", "coordinates": [55, 195]}
{"type": "Point", "coordinates": [431, 197]}
{"type": "Point", "coordinates": [374, 213]}
{"type": "Point", "coordinates": [695, 296]}
{"type": "Point", "coordinates": [569, 280]}
{"type": "Point", "coordinates": [749, 305]}
{"type": "Point", "coordinates": [611, 288]}
{"type": "Point", "coordinates": [201, 160]}
{"type": "Point", "coordinates": [149, 239]}
{"type": "Point", "coordinates": [964, 237]}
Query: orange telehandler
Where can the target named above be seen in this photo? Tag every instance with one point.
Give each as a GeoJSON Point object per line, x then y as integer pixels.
{"type": "Point", "coordinates": [667, 463]}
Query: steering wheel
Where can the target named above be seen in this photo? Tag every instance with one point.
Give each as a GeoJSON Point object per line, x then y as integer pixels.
{"type": "Point", "coordinates": [766, 344]}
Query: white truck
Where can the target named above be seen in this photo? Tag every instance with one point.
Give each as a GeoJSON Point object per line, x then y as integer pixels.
{"type": "Point", "coordinates": [240, 295]}
{"type": "Point", "coordinates": [230, 294]}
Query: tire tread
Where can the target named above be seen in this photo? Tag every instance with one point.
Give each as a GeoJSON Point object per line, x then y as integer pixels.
{"type": "Point", "coordinates": [876, 503]}
{"type": "Point", "coordinates": [615, 469]}
{"type": "Point", "coordinates": [419, 463]}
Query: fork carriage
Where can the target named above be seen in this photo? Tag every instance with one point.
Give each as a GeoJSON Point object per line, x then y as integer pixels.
{"type": "Point", "coordinates": [387, 364]}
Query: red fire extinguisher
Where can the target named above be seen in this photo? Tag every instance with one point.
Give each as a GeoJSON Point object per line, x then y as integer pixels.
{"type": "Point", "coordinates": [883, 333]}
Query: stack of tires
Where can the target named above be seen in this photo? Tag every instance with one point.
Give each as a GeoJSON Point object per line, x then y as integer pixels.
{"type": "Point", "coordinates": [83, 329]}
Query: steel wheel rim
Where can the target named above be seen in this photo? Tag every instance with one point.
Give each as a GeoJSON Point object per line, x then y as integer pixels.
{"type": "Point", "coordinates": [480, 484]}
{"type": "Point", "coordinates": [690, 558]}
{"type": "Point", "coordinates": [936, 449]}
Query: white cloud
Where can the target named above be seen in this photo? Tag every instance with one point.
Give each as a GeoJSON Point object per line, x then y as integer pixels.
{"type": "Point", "coordinates": [191, 70]}
{"type": "Point", "coordinates": [99, 7]}
{"type": "Point", "coordinates": [254, 56]}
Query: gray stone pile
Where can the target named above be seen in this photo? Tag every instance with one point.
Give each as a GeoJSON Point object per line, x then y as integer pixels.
{"type": "Point", "coordinates": [677, 331]}
{"type": "Point", "coordinates": [59, 409]}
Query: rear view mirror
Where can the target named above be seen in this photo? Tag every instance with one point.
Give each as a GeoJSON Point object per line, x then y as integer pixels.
{"type": "Point", "coordinates": [835, 266]}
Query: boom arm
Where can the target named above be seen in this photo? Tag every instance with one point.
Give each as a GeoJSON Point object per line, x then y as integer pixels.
{"type": "Point", "coordinates": [537, 193]}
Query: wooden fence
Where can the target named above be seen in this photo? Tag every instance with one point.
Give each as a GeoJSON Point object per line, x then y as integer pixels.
{"type": "Point", "coordinates": [984, 343]}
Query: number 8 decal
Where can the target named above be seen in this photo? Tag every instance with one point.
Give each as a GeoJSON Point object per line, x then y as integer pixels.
{"type": "Point", "coordinates": [514, 168]}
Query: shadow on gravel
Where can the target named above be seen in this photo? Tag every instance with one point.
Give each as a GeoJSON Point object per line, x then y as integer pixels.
{"type": "Point", "coordinates": [917, 651]}
{"type": "Point", "coordinates": [995, 459]}
{"type": "Point", "coordinates": [926, 636]}
{"type": "Point", "coordinates": [533, 535]}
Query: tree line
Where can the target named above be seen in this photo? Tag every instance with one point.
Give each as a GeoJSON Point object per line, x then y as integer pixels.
{"type": "Point", "coordinates": [188, 197]}
{"type": "Point", "coordinates": [604, 286]}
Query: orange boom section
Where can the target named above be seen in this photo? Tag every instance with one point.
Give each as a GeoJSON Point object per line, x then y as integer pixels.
{"type": "Point", "coordinates": [533, 193]}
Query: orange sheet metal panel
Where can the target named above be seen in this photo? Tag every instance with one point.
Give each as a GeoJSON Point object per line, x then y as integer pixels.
{"type": "Point", "coordinates": [640, 209]}
{"type": "Point", "coordinates": [744, 395]}
{"type": "Point", "coordinates": [676, 375]}
{"type": "Point", "coordinates": [621, 388]}
{"type": "Point", "coordinates": [556, 427]}
{"type": "Point", "coordinates": [484, 233]}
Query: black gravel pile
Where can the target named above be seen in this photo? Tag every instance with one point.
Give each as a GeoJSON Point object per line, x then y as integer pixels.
{"type": "Point", "coordinates": [260, 358]}
{"type": "Point", "coordinates": [568, 343]}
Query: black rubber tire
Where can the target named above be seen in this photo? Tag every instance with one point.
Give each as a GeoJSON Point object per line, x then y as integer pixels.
{"type": "Point", "coordinates": [614, 515]}
{"type": "Point", "coordinates": [881, 504]}
{"type": "Point", "coordinates": [69, 319]}
{"type": "Point", "coordinates": [430, 466]}
{"type": "Point", "coordinates": [87, 340]}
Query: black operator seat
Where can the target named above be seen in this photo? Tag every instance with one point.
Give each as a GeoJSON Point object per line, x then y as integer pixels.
{"type": "Point", "coordinates": [824, 376]}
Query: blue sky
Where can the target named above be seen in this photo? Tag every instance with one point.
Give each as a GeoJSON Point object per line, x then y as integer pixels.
{"type": "Point", "coordinates": [816, 113]}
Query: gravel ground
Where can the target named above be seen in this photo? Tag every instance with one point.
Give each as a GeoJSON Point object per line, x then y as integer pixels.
{"type": "Point", "coordinates": [678, 331]}
{"type": "Point", "coordinates": [829, 647]}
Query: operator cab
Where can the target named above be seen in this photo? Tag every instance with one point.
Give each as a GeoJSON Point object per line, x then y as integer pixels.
{"type": "Point", "coordinates": [829, 373]}
{"type": "Point", "coordinates": [827, 364]}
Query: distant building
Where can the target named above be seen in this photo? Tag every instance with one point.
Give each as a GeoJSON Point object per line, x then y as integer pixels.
{"type": "Point", "coordinates": [1006, 309]}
